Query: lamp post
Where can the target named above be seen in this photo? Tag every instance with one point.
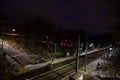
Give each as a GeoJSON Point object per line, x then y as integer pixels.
{"type": "Point", "coordinates": [55, 48]}
{"type": "Point", "coordinates": [86, 52]}
{"type": "Point", "coordinates": [2, 45]}
{"type": "Point", "coordinates": [55, 45]}
{"type": "Point", "coordinates": [1, 41]}
{"type": "Point", "coordinates": [77, 55]}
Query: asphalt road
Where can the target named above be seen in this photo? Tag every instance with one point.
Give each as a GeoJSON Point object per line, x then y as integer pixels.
{"type": "Point", "coordinates": [19, 56]}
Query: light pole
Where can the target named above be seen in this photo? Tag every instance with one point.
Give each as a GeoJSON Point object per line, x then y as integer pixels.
{"type": "Point", "coordinates": [77, 55]}
{"type": "Point", "coordinates": [55, 48]}
{"type": "Point", "coordinates": [1, 40]}
{"type": "Point", "coordinates": [1, 43]}
{"type": "Point", "coordinates": [86, 52]}
{"type": "Point", "coordinates": [55, 45]}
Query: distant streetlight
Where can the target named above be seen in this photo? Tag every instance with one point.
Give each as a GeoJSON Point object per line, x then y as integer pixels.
{"type": "Point", "coordinates": [13, 30]}
{"type": "Point", "coordinates": [65, 40]}
{"type": "Point", "coordinates": [47, 37]}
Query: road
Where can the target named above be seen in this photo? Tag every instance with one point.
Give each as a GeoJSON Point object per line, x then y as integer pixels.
{"type": "Point", "coordinates": [19, 56]}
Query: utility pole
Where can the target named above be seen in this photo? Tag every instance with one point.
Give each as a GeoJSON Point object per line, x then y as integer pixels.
{"type": "Point", "coordinates": [55, 48]}
{"type": "Point", "coordinates": [77, 55]}
{"type": "Point", "coordinates": [2, 41]}
{"type": "Point", "coordinates": [54, 51]}
{"type": "Point", "coordinates": [2, 45]}
{"type": "Point", "coordinates": [86, 52]}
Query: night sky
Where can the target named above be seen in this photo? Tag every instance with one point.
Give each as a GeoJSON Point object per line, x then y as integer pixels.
{"type": "Point", "coordinates": [92, 16]}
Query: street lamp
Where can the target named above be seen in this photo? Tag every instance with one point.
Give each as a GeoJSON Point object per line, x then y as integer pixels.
{"type": "Point", "coordinates": [13, 30]}
{"type": "Point", "coordinates": [47, 37]}
{"type": "Point", "coordinates": [77, 55]}
{"type": "Point", "coordinates": [86, 53]}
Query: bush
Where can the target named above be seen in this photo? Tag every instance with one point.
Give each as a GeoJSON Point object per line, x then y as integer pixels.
{"type": "Point", "coordinates": [59, 54]}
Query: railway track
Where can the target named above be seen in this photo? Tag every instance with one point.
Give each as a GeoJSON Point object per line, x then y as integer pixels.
{"type": "Point", "coordinates": [58, 73]}
{"type": "Point", "coordinates": [63, 71]}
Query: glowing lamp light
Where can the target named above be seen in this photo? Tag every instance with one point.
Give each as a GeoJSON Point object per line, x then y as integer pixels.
{"type": "Point", "coordinates": [13, 30]}
{"type": "Point", "coordinates": [110, 49]}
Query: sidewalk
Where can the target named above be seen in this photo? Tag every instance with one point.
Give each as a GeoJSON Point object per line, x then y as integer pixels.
{"type": "Point", "coordinates": [20, 56]}
{"type": "Point", "coordinates": [91, 69]}
{"type": "Point", "coordinates": [92, 66]}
